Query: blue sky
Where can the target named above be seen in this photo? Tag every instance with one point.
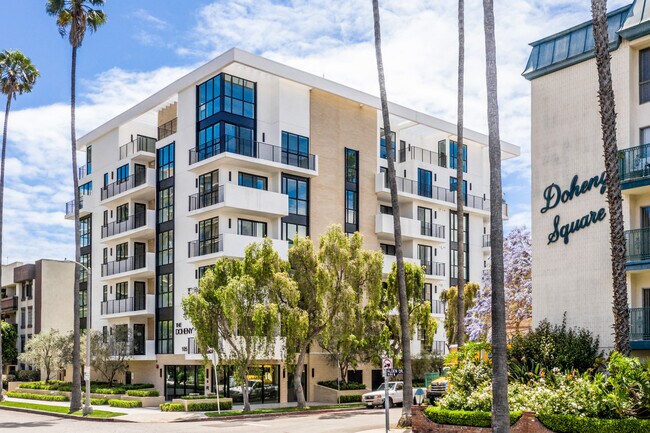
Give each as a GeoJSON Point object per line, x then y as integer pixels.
{"type": "Point", "coordinates": [146, 44]}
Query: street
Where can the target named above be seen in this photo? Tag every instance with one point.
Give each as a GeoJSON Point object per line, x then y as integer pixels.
{"type": "Point", "coordinates": [343, 422]}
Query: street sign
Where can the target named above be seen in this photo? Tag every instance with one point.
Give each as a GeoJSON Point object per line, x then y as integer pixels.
{"type": "Point", "coordinates": [393, 371]}
{"type": "Point", "coordinates": [386, 363]}
{"type": "Point", "coordinates": [86, 373]}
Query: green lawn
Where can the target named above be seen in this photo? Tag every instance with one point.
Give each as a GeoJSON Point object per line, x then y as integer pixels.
{"type": "Point", "coordinates": [281, 410]}
{"type": "Point", "coordinates": [60, 409]}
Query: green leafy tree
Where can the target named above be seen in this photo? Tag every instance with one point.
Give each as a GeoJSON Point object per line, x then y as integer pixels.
{"type": "Point", "coordinates": [236, 310]}
{"type": "Point", "coordinates": [9, 338]}
{"type": "Point", "coordinates": [110, 357]}
{"type": "Point", "coordinates": [74, 18]}
{"type": "Point", "coordinates": [47, 351]}
{"type": "Point", "coordinates": [449, 297]}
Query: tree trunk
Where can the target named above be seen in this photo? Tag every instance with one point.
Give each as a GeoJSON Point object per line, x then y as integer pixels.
{"type": "Point", "coordinates": [614, 199]}
{"type": "Point", "coordinates": [297, 378]}
{"type": "Point", "coordinates": [2, 194]}
{"type": "Point", "coordinates": [401, 281]}
{"type": "Point", "coordinates": [75, 400]}
{"type": "Point", "coordinates": [460, 205]}
{"type": "Point", "coordinates": [244, 391]}
{"type": "Point", "coordinates": [500, 409]}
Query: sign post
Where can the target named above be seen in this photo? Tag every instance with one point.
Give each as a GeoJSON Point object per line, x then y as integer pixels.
{"type": "Point", "coordinates": [387, 365]}
{"type": "Point", "coordinates": [214, 357]}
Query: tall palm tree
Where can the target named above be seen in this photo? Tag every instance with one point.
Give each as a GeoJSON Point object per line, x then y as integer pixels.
{"type": "Point", "coordinates": [460, 205]}
{"type": "Point", "coordinates": [17, 76]}
{"type": "Point", "coordinates": [614, 199]}
{"type": "Point", "coordinates": [500, 409]}
{"type": "Point", "coordinates": [397, 229]}
{"type": "Point", "coordinates": [74, 18]}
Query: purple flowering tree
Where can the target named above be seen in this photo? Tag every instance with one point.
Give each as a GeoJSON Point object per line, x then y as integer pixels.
{"type": "Point", "coordinates": [517, 262]}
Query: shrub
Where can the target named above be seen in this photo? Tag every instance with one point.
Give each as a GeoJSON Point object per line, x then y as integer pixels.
{"type": "Point", "coordinates": [628, 383]}
{"type": "Point", "coordinates": [466, 418]}
{"type": "Point", "coordinates": [204, 406]}
{"type": "Point", "coordinates": [172, 407]}
{"type": "Point", "coordinates": [28, 375]}
{"type": "Point", "coordinates": [356, 398]}
{"type": "Point", "coordinates": [109, 391]}
{"type": "Point", "coordinates": [344, 386]}
{"type": "Point", "coordinates": [142, 393]}
{"type": "Point", "coordinates": [200, 397]}
{"type": "Point", "coordinates": [49, 386]}
{"type": "Point", "coordinates": [98, 401]}
{"type": "Point", "coordinates": [137, 386]}
{"type": "Point", "coordinates": [578, 424]}
{"type": "Point", "coordinates": [29, 396]}
{"type": "Point", "coordinates": [124, 403]}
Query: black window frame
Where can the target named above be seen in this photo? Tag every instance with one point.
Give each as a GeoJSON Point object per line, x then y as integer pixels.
{"type": "Point", "coordinates": [165, 204]}
{"type": "Point", "coordinates": [255, 226]}
{"type": "Point", "coordinates": [644, 76]}
{"type": "Point", "coordinates": [165, 247]}
{"type": "Point", "coordinates": [165, 161]}
{"type": "Point", "coordinates": [165, 290]}
{"type": "Point", "coordinates": [249, 180]}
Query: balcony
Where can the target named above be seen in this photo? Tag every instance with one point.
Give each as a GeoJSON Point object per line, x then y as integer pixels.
{"type": "Point", "coordinates": [143, 350]}
{"type": "Point", "coordinates": [411, 228]}
{"type": "Point", "coordinates": [637, 248]}
{"type": "Point", "coordinates": [640, 328]}
{"type": "Point", "coordinates": [414, 153]}
{"type": "Point", "coordinates": [486, 241]}
{"type": "Point", "coordinates": [142, 223]}
{"type": "Point", "coordinates": [255, 150]}
{"type": "Point", "coordinates": [84, 171]}
{"type": "Point", "coordinates": [228, 245]}
{"type": "Point", "coordinates": [433, 269]}
{"type": "Point", "coordinates": [69, 209]}
{"type": "Point", "coordinates": [134, 306]}
{"type": "Point", "coordinates": [138, 185]}
{"type": "Point", "coordinates": [141, 148]}
{"type": "Point", "coordinates": [135, 266]}
{"type": "Point", "coordinates": [245, 200]}
{"type": "Point", "coordinates": [9, 303]}
{"type": "Point", "coordinates": [167, 129]}
{"type": "Point", "coordinates": [431, 192]}
{"type": "Point", "coordinates": [634, 166]}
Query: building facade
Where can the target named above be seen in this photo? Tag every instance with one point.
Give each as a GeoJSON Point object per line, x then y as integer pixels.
{"type": "Point", "coordinates": [571, 251]}
{"type": "Point", "coordinates": [32, 297]}
{"type": "Point", "coordinates": [244, 148]}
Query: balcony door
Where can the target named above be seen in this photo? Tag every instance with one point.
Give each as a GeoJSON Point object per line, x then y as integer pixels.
{"type": "Point", "coordinates": [139, 295]}
{"type": "Point", "coordinates": [425, 216]}
{"type": "Point", "coordinates": [139, 250]}
{"type": "Point", "coordinates": [140, 215]}
{"type": "Point", "coordinates": [140, 174]}
{"type": "Point", "coordinates": [138, 339]}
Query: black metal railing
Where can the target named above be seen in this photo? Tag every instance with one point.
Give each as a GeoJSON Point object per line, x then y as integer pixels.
{"type": "Point", "coordinates": [201, 200]}
{"type": "Point", "coordinates": [123, 185]}
{"type": "Point", "coordinates": [254, 149]}
{"type": "Point", "coordinates": [637, 244]}
{"type": "Point", "coordinates": [140, 144]}
{"type": "Point", "coordinates": [414, 153]}
{"type": "Point", "coordinates": [201, 248]}
{"type": "Point", "coordinates": [82, 171]}
{"type": "Point", "coordinates": [129, 264]}
{"type": "Point", "coordinates": [131, 223]}
{"type": "Point", "coordinates": [486, 241]}
{"type": "Point", "coordinates": [639, 324]}
{"type": "Point", "coordinates": [432, 229]}
{"type": "Point", "coordinates": [126, 305]}
{"type": "Point", "coordinates": [167, 129]}
{"type": "Point", "coordinates": [433, 268]}
{"type": "Point", "coordinates": [634, 163]}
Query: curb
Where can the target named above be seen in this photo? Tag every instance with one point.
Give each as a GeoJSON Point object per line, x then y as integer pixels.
{"type": "Point", "coordinates": [61, 415]}
{"type": "Point", "coordinates": [268, 415]}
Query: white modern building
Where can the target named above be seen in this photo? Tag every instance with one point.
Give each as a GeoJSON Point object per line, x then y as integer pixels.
{"type": "Point", "coordinates": [242, 148]}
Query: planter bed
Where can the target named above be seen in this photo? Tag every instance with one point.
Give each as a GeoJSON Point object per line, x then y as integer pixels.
{"type": "Point", "coordinates": [226, 403]}
{"type": "Point", "coordinates": [146, 401]}
{"type": "Point", "coordinates": [329, 395]}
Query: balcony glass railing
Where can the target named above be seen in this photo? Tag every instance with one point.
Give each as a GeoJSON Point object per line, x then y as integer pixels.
{"type": "Point", "coordinates": [639, 324]}
{"type": "Point", "coordinates": [167, 129]}
{"type": "Point", "coordinates": [432, 229]}
{"type": "Point", "coordinates": [140, 144]}
{"type": "Point", "coordinates": [205, 199]}
{"type": "Point", "coordinates": [414, 153]}
{"type": "Point", "coordinates": [123, 185]}
{"type": "Point", "coordinates": [634, 163]}
{"type": "Point", "coordinates": [119, 266]}
{"type": "Point", "coordinates": [201, 248]}
{"type": "Point", "coordinates": [433, 268]}
{"type": "Point", "coordinates": [131, 223]}
{"type": "Point", "coordinates": [126, 305]}
{"type": "Point", "coordinates": [637, 244]}
{"type": "Point", "coordinates": [253, 149]}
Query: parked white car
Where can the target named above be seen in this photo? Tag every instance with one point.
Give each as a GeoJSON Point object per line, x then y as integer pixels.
{"type": "Point", "coordinates": [395, 395]}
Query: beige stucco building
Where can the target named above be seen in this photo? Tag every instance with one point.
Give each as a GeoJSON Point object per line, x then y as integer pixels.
{"type": "Point", "coordinates": [570, 221]}
{"type": "Point", "coordinates": [244, 148]}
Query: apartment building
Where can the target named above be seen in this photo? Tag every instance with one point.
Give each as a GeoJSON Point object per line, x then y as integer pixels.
{"type": "Point", "coordinates": [32, 297]}
{"type": "Point", "coordinates": [244, 148]}
{"type": "Point", "coordinates": [571, 251]}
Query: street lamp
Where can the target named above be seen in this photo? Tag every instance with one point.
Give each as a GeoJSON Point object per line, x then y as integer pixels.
{"type": "Point", "coordinates": [87, 409]}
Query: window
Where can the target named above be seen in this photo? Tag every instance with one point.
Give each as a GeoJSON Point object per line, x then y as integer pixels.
{"type": "Point", "coordinates": [453, 250]}
{"type": "Point", "coordinates": [209, 142]}
{"type": "Point", "coordinates": [209, 236]}
{"type": "Point", "coordinates": [295, 150]}
{"type": "Point", "coordinates": [105, 180]}
{"type": "Point", "coordinates": [351, 166]}
{"type": "Point", "coordinates": [645, 217]}
{"type": "Point", "coordinates": [351, 209]}
{"type": "Point", "coordinates": [30, 317]}
{"type": "Point", "coordinates": [123, 173]}
{"type": "Point", "coordinates": [252, 228]}
{"type": "Point", "coordinates": [202, 270]}
{"type": "Point", "coordinates": [425, 186]}
{"type": "Point", "coordinates": [383, 152]}
{"type": "Point", "coordinates": [351, 190]}
{"type": "Point", "coordinates": [22, 345]}
{"type": "Point", "coordinates": [165, 247]}
{"type": "Point", "coordinates": [644, 76]}
{"type": "Point", "coordinates": [105, 255]}
{"type": "Point", "coordinates": [166, 162]}
{"type": "Point", "coordinates": [290, 231]}
{"type": "Point", "coordinates": [85, 226]}
{"type": "Point", "coordinates": [122, 251]}
{"type": "Point", "coordinates": [239, 96]}
{"type": "Point", "coordinates": [386, 210]}
{"type": "Point", "coordinates": [166, 205]}
{"type": "Point", "coordinates": [165, 291]}
{"type": "Point", "coordinates": [83, 273]}
{"type": "Point", "coordinates": [86, 188]}
{"type": "Point", "coordinates": [105, 293]}
{"type": "Point", "coordinates": [122, 290]}
{"type": "Point", "coordinates": [83, 303]}
{"type": "Point", "coordinates": [387, 249]}
{"type": "Point", "coordinates": [121, 333]}
{"type": "Point", "coordinates": [28, 289]}
{"type": "Point", "coordinates": [209, 96]}
{"type": "Point", "coordinates": [122, 213]}
{"type": "Point", "coordinates": [442, 153]}
{"type": "Point", "coordinates": [165, 333]}
{"type": "Point", "coordinates": [453, 185]}
{"type": "Point", "coordinates": [425, 216]}
{"type": "Point", "coordinates": [425, 255]}
{"type": "Point", "coordinates": [297, 190]}
{"type": "Point", "coordinates": [453, 155]}
{"type": "Point", "coordinates": [239, 140]}
{"type": "Point", "coordinates": [23, 317]}
{"type": "Point", "coordinates": [253, 181]}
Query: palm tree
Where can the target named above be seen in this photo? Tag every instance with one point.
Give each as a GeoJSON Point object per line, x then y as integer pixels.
{"type": "Point", "coordinates": [17, 76]}
{"type": "Point", "coordinates": [74, 18]}
{"type": "Point", "coordinates": [614, 199]}
{"type": "Point", "coordinates": [397, 229]}
{"type": "Point", "coordinates": [460, 205]}
{"type": "Point", "coordinates": [500, 409]}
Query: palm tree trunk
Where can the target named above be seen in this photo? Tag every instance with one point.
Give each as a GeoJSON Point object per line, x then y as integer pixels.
{"type": "Point", "coordinates": [75, 400]}
{"type": "Point", "coordinates": [460, 208]}
{"type": "Point", "coordinates": [2, 191]}
{"type": "Point", "coordinates": [500, 409]}
{"type": "Point", "coordinates": [397, 229]}
{"type": "Point", "coordinates": [614, 199]}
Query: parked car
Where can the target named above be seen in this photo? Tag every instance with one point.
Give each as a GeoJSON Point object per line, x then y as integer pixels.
{"type": "Point", "coordinates": [438, 387]}
{"type": "Point", "coordinates": [395, 395]}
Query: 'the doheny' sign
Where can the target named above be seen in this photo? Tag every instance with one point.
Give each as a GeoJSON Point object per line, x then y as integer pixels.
{"type": "Point", "coordinates": [554, 195]}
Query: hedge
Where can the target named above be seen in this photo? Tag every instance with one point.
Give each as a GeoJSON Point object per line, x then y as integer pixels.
{"type": "Point", "coordinates": [137, 386]}
{"type": "Point", "coordinates": [577, 424]}
{"type": "Point", "coordinates": [356, 398]}
{"type": "Point", "coordinates": [142, 393]}
{"type": "Point", "coordinates": [466, 418]}
{"type": "Point", "coordinates": [97, 401]}
{"type": "Point", "coordinates": [50, 386]}
{"type": "Point", "coordinates": [172, 407]}
{"type": "Point", "coordinates": [200, 397]}
{"type": "Point", "coordinates": [343, 386]}
{"type": "Point", "coordinates": [109, 391]}
{"type": "Point", "coordinates": [124, 403]}
{"type": "Point", "coordinates": [29, 396]}
{"type": "Point", "coordinates": [204, 406]}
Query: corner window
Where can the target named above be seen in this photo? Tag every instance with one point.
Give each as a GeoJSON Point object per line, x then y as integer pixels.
{"type": "Point", "coordinates": [166, 162]}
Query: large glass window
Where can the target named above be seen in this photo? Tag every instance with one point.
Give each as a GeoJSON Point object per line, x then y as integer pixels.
{"type": "Point", "coordinates": [442, 153]}
{"type": "Point", "coordinates": [86, 188]}
{"type": "Point", "coordinates": [239, 140]}
{"type": "Point", "coordinates": [239, 96]}
{"type": "Point", "coordinates": [425, 216]}
{"type": "Point", "coordinates": [89, 160]}
{"type": "Point", "coordinates": [253, 181]}
{"type": "Point", "coordinates": [252, 228]}
{"type": "Point", "coordinates": [453, 183]}
{"type": "Point", "coordinates": [209, 189]}
{"type": "Point", "coordinates": [295, 150]}
{"type": "Point", "coordinates": [290, 231]}
{"type": "Point", "coordinates": [425, 255]}
{"type": "Point", "coordinates": [387, 249]}
{"type": "Point", "coordinates": [83, 273]}
{"type": "Point", "coordinates": [296, 189]}
{"type": "Point", "coordinates": [165, 291]}
{"type": "Point", "coordinates": [351, 166]}
{"type": "Point", "coordinates": [453, 155]}
{"type": "Point", "coordinates": [122, 251]}
{"type": "Point", "coordinates": [123, 173]}
{"type": "Point", "coordinates": [166, 204]}
{"type": "Point", "coordinates": [351, 208]}
{"type": "Point", "coordinates": [209, 94]}
{"type": "Point", "coordinates": [166, 162]}
{"type": "Point", "coordinates": [122, 290]}
{"type": "Point", "coordinates": [122, 213]}
{"type": "Point", "coordinates": [85, 227]}
{"type": "Point", "coordinates": [383, 152]}
{"type": "Point", "coordinates": [425, 183]}
{"type": "Point", "coordinates": [165, 247]}
{"type": "Point", "coordinates": [165, 334]}
{"type": "Point", "coordinates": [209, 236]}
{"type": "Point", "coordinates": [351, 190]}
{"type": "Point", "coordinates": [209, 142]}
{"type": "Point", "coordinates": [644, 76]}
